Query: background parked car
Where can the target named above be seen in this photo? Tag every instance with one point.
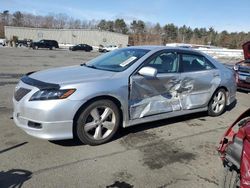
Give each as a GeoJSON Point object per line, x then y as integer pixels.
{"type": "Point", "coordinates": [2, 42]}
{"type": "Point", "coordinates": [45, 44]}
{"type": "Point", "coordinates": [100, 48]}
{"type": "Point", "coordinates": [83, 47]}
{"type": "Point", "coordinates": [242, 69]}
{"type": "Point", "coordinates": [25, 43]}
{"type": "Point", "coordinates": [107, 48]}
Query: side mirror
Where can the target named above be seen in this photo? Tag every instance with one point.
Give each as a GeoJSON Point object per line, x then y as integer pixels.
{"type": "Point", "coordinates": [148, 71]}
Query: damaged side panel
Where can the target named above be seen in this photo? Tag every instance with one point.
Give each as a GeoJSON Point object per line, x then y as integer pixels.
{"type": "Point", "coordinates": [204, 84]}
{"type": "Point", "coordinates": [151, 96]}
{"type": "Point", "coordinates": [170, 92]}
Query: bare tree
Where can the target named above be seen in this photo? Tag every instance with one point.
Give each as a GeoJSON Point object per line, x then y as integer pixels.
{"type": "Point", "coordinates": [17, 19]}
{"type": "Point", "coordinates": [5, 17]}
{"type": "Point", "coordinates": [60, 21]}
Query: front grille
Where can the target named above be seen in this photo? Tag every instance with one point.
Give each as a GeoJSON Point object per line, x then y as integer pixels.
{"type": "Point", "coordinates": [244, 69]}
{"type": "Point", "coordinates": [20, 93]}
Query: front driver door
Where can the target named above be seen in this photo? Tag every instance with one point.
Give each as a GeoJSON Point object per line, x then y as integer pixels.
{"type": "Point", "coordinates": [155, 95]}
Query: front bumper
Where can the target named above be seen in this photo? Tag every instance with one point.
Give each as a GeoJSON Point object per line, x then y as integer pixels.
{"type": "Point", "coordinates": [243, 81]}
{"type": "Point", "coordinates": [54, 117]}
{"type": "Point", "coordinates": [57, 130]}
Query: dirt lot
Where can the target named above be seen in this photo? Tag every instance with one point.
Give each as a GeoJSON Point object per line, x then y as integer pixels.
{"type": "Point", "coordinates": [178, 152]}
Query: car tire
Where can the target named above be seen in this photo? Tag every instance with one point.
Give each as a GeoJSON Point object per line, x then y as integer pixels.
{"type": "Point", "coordinates": [217, 104]}
{"type": "Point", "coordinates": [230, 179]}
{"type": "Point", "coordinates": [98, 122]}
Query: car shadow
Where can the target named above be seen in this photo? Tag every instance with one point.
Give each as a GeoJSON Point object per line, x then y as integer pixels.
{"type": "Point", "coordinates": [145, 126]}
{"type": "Point", "coordinates": [14, 178]}
{"type": "Point", "coordinates": [137, 128]}
{"type": "Point", "coordinates": [231, 106]}
{"type": "Point", "coordinates": [160, 123]}
{"type": "Point", "coordinates": [243, 91]}
{"type": "Point", "coordinates": [67, 143]}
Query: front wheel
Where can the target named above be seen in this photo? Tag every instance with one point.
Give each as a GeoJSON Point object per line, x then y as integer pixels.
{"type": "Point", "coordinates": [231, 179]}
{"type": "Point", "coordinates": [98, 122]}
{"type": "Point", "coordinates": [218, 103]}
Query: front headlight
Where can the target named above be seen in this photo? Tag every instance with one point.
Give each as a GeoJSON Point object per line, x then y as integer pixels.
{"type": "Point", "coordinates": [51, 94]}
{"type": "Point", "coordinates": [236, 67]}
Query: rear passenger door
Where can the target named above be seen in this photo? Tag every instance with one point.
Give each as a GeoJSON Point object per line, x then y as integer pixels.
{"type": "Point", "coordinates": [199, 80]}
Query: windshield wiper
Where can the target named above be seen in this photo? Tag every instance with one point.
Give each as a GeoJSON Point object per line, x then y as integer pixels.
{"type": "Point", "coordinates": [90, 66]}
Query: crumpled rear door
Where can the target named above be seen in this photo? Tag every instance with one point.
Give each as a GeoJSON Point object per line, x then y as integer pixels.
{"type": "Point", "coordinates": [199, 79]}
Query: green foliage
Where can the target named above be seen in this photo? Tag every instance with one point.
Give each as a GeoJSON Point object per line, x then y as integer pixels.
{"type": "Point", "coordinates": [137, 26]}
{"type": "Point", "coordinates": [120, 26]}
{"type": "Point", "coordinates": [170, 33]}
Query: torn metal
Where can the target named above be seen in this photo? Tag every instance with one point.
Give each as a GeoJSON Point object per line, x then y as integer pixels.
{"type": "Point", "coordinates": [150, 96]}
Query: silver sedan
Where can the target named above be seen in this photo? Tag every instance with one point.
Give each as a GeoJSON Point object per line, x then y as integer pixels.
{"type": "Point", "coordinates": [119, 89]}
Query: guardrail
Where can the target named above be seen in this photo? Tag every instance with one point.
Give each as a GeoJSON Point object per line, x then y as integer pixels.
{"type": "Point", "coordinates": [222, 53]}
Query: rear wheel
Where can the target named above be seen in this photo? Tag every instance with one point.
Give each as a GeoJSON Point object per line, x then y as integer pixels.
{"type": "Point", "coordinates": [98, 122]}
{"type": "Point", "coordinates": [218, 103]}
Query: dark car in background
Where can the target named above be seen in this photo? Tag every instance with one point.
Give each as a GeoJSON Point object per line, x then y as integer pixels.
{"type": "Point", "coordinates": [82, 47]}
{"type": "Point", "coordinates": [51, 44]}
{"type": "Point", "coordinates": [25, 43]}
{"type": "Point", "coordinates": [242, 69]}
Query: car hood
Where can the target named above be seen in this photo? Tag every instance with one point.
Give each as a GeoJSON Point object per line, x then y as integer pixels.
{"type": "Point", "coordinates": [245, 64]}
{"type": "Point", "coordinates": [71, 75]}
{"type": "Point", "coordinates": [246, 49]}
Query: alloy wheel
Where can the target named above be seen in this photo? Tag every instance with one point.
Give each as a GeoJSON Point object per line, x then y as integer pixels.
{"type": "Point", "coordinates": [100, 123]}
{"type": "Point", "coordinates": [219, 102]}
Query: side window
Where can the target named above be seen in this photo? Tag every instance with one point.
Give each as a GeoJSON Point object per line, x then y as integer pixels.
{"type": "Point", "coordinates": [190, 63]}
{"type": "Point", "coordinates": [166, 62]}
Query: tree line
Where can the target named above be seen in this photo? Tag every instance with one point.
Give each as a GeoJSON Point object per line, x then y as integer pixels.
{"type": "Point", "coordinates": [140, 32]}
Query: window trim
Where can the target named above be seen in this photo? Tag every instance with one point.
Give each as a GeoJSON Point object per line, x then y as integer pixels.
{"type": "Point", "coordinates": [150, 58]}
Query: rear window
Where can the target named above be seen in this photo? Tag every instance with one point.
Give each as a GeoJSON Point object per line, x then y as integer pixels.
{"type": "Point", "coordinates": [191, 63]}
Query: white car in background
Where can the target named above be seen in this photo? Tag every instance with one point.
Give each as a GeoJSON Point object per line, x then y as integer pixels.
{"type": "Point", "coordinates": [109, 48]}
{"type": "Point", "coordinates": [2, 42]}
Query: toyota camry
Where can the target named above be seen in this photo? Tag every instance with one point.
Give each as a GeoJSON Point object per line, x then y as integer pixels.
{"type": "Point", "coordinates": [121, 88]}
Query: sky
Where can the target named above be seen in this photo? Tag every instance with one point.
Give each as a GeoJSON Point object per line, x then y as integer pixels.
{"type": "Point", "coordinates": [230, 15]}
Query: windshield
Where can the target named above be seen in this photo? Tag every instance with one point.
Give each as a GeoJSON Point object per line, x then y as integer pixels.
{"type": "Point", "coordinates": [117, 60]}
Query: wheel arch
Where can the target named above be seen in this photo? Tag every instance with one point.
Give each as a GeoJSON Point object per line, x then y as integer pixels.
{"type": "Point", "coordinates": [219, 87]}
{"type": "Point", "coordinates": [227, 92]}
{"type": "Point", "coordinates": [103, 97]}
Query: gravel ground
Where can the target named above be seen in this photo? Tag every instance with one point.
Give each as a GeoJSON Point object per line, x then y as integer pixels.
{"type": "Point", "coordinates": [176, 152]}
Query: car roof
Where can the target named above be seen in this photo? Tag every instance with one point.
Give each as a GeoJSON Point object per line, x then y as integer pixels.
{"type": "Point", "coordinates": [158, 48]}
